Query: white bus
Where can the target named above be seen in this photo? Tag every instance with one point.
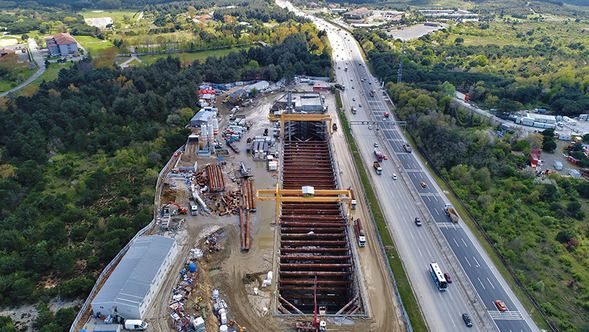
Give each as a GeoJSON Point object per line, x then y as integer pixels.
{"type": "Point", "coordinates": [438, 276]}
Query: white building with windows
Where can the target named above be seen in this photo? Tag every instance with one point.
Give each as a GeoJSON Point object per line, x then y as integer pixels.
{"type": "Point", "coordinates": [133, 284]}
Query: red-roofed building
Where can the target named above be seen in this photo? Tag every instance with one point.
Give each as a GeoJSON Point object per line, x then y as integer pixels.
{"type": "Point", "coordinates": [61, 44]}
{"type": "Point", "coordinates": [535, 155]}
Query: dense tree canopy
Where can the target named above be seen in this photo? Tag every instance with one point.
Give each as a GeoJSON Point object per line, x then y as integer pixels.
{"type": "Point", "coordinates": [536, 223]}
{"type": "Point", "coordinates": [79, 159]}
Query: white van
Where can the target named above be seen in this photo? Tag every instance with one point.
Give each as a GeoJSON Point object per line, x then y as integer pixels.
{"type": "Point", "coordinates": [135, 325]}
{"type": "Point", "coordinates": [193, 209]}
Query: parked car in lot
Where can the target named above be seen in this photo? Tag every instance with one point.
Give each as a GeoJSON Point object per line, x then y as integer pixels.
{"type": "Point", "coordinates": [467, 320]}
{"type": "Point", "coordinates": [448, 279]}
{"type": "Point", "coordinates": [500, 305]}
{"type": "Point", "coordinates": [423, 184]}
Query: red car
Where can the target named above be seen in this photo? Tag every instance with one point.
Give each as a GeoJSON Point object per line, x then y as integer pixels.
{"type": "Point", "coordinates": [448, 279]}
{"type": "Point", "coordinates": [500, 305]}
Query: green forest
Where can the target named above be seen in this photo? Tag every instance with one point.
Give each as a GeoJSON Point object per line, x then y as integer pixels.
{"type": "Point", "coordinates": [509, 65]}
{"type": "Point", "coordinates": [79, 161]}
{"type": "Point", "coordinates": [539, 225]}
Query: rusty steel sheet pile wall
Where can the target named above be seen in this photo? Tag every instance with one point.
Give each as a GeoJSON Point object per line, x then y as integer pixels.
{"type": "Point", "coordinates": [314, 245]}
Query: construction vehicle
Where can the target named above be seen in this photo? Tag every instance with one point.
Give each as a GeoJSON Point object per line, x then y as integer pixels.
{"type": "Point", "coordinates": [353, 201]}
{"type": "Point", "coordinates": [451, 213]}
{"type": "Point", "coordinates": [407, 147]}
{"type": "Point", "coordinates": [316, 325]}
{"type": "Point", "coordinates": [378, 154]}
{"type": "Point", "coordinates": [193, 208]}
{"type": "Point", "coordinates": [359, 233]}
{"type": "Point", "coordinates": [377, 167]}
{"type": "Point", "coordinates": [236, 326]}
{"type": "Point", "coordinates": [179, 209]}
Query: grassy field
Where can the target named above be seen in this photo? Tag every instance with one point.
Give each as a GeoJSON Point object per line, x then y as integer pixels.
{"type": "Point", "coordinates": [92, 44]}
{"type": "Point", "coordinates": [50, 74]}
{"type": "Point", "coordinates": [116, 15]}
{"type": "Point", "coordinates": [409, 301]}
{"type": "Point", "coordinates": [19, 75]}
{"type": "Point", "coordinates": [188, 58]}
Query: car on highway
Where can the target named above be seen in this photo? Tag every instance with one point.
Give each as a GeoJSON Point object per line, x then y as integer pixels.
{"type": "Point", "coordinates": [359, 105]}
{"type": "Point", "coordinates": [369, 127]}
{"type": "Point", "coordinates": [375, 145]}
{"type": "Point", "coordinates": [447, 276]}
{"type": "Point", "coordinates": [353, 99]}
{"type": "Point", "coordinates": [500, 305]}
{"type": "Point", "coordinates": [394, 176]}
{"type": "Point", "coordinates": [467, 320]}
{"type": "Point", "coordinates": [418, 221]}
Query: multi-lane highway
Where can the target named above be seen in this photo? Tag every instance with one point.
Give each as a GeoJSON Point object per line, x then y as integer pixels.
{"type": "Point", "coordinates": [476, 282]}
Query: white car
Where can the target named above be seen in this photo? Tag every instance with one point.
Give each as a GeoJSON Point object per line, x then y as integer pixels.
{"type": "Point", "coordinates": [369, 127]}
{"type": "Point", "coordinates": [375, 145]}
{"type": "Point", "coordinates": [394, 176]}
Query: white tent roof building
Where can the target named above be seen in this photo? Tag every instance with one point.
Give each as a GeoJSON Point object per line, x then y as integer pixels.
{"type": "Point", "coordinates": [135, 281]}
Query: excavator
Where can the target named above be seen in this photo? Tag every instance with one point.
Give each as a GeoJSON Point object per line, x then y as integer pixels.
{"type": "Point", "coordinates": [180, 209]}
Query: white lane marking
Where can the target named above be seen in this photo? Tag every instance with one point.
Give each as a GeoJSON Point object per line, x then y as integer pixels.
{"type": "Point", "coordinates": [420, 254]}
{"type": "Point", "coordinates": [475, 259]}
{"type": "Point", "coordinates": [456, 242]}
{"type": "Point", "coordinates": [466, 258]}
{"type": "Point", "coordinates": [490, 283]}
{"type": "Point", "coordinates": [466, 245]}
{"type": "Point", "coordinates": [436, 198]}
{"type": "Point", "coordinates": [479, 279]}
{"type": "Point", "coordinates": [428, 252]}
{"type": "Point", "coordinates": [412, 237]}
{"type": "Point", "coordinates": [437, 212]}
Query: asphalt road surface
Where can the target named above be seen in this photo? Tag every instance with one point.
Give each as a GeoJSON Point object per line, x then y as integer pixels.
{"type": "Point", "coordinates": [476, 282]}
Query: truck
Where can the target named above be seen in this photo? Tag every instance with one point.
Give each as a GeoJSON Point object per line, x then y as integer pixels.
{"type": "Point", "coordinates": [407, 147]}
{"type": "Point", "coordinates": [135, 325]}
{"type": "Point", "coordinates": [377, 167]}
{"type": "Point", "coordinates": [193, 208]}
{"type": "Point", "coordinates": [378, 154]}
{"type": "Point", "coordinates": [359, 233]}
{"type": "Point", "coordinates": [353, 202]}
{"type": "Point", "coordinates": [451, 213]}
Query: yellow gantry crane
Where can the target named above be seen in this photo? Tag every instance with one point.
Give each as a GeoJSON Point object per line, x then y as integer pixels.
{"type": "Point", "coordinates": [305, 194]}
{"type": "Point", "coordinates": [285, 117]}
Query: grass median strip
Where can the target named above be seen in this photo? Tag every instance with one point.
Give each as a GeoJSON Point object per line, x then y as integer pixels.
{"type": "Point", "coordinates": [409, 301]}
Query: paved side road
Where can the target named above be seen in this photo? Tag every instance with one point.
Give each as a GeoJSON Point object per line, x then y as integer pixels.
{"type": "Point", "coordinates": [38, 58]}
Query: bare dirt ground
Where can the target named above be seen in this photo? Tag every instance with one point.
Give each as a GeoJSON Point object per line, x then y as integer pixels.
{"type": "Point", "coordinates": [236, 274]}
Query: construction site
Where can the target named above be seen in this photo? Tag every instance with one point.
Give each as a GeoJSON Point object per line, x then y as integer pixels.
{"type": "Point", "coordinates": [262, 217]}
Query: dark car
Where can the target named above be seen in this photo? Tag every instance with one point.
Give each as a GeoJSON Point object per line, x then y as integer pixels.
{"type": "Point", "coordinates": [417, 221]}
{"type": "Point", "coordinates": [448, 279]}
{"type": "Point", "coordinates": [467, 320]}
